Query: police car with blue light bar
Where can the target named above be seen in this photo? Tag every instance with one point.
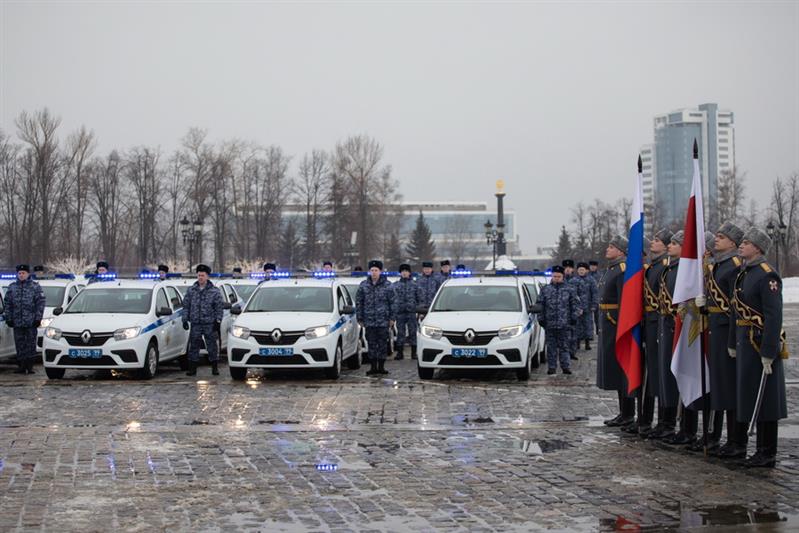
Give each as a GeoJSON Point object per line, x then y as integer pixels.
{"type": "Point", "coordinates": [116, 324]}
{"type": "Point", "coordinates": [301, 323]}
{"type": "Point", "coordinates": [479, 322]}
{"type": "Point", "coordinates": [59, 290]}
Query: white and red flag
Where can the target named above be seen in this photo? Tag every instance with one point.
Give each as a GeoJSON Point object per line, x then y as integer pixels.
{"type": "Point", "coordinates": [687, 361]}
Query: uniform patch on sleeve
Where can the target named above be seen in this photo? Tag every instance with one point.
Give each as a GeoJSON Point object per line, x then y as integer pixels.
{"type": "Point", "coordinates": [774, 285]}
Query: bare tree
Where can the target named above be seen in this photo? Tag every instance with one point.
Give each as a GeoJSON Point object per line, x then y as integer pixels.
{"type": "Point", "coordinates": [784, 206]}
{"type": "Point", "coordinates": [730, 195]}
{"type": "Point", "coordinates": [312, 185]}
{"type": "Point", "coordinates": [80, 147]}
{"type": "Point", "coordinates": [141, 171]}
{"type": "Point", "coordinates": [105, 202]}
{"type": "Point", "coordinates": [221, 176]}
{"type": "Point", "coordinates": [270, 188]}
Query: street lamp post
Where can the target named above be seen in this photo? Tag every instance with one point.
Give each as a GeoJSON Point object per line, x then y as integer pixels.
{"type": "Point", "coordinates": [492, 237]}
{"type": "Point", "coordinates": [192, 233]}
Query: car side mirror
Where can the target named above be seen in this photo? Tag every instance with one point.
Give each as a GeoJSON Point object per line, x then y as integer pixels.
{"type": "Point", "coordinates": [536, 308]}
{"type": "Point", "coordinates": [421, 310]}
{"type": "Point", "coordinates": [348, 310]}
{"type": "Point", "coordinates": [58, 310]}
{"type": "Point", "coordinates": [235, 310]}
{"type": "Point", "coordinates": [226, 305]}
{"type": "Point", "coordinates": [163, 311]}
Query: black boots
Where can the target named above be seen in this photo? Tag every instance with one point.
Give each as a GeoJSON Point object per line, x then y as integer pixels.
{"type": "Point", "coordinates": [215, 368]}
{"type": "Point", "coordinates": [372, 367]}
{"type": "Point", "coordinates": [21, 367]}
{"type": "Point", "coordinates": [766, 454]}
{"type": "Point", "coordinates": [587, 345]}
{"type": "Point", "coordinates": [413, 352]}
{"type": "Point", "coordinates": [399, 355]}
{"type": "Point", "coordinates": [192, 368]}
{"type": "Point", "coordinates": [381, 367]}
{"type": "Point", "coordinates": [29, 366]}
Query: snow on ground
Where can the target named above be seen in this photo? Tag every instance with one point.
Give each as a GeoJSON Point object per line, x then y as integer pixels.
{"type": "Point", "coordinates": [790, 290]}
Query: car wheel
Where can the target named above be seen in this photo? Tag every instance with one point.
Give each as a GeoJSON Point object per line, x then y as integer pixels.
{"type": "Point", "coordinates": [150, 362]}
{"type": "Point", "coordinates": [354, 361]}
{"type": "Point", "coordinates": [54, 373]}
{"type": "Point", "coordinates": [238, 373]}
{"type": "Point", "coordinates": [523, 374]}
{"type": "Point", "coordinates": [335, 371]}
{"type": "Point", "coordinates": [425, 373]}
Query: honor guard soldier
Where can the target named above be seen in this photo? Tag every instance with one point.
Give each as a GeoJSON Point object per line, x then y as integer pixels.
{"type": "Point", "coordinates": [609, 375]}
{"type": "Point", "coordinates": [652, 274]}
{"type": "Point", "coordinates": [757, 342]}
{"type": "Point", "coordinates": [376, 312]}
{"type": "Point", "coordinates": [202, 308]}
{"type": "Point", "coordinates": [407, 297]}
{"type": "Point", "coordinates": [559, 310]}
{"type": "Point", "coordinates": [163, 270]}
{"type": "Point", "coordinates": [428, 284]}
{"type": "Point", "coordinates": [589, 303]}
{"type": "Point", "coordinates": [24, 307]}
{"type": "Point", "coordinates": [721, 279]}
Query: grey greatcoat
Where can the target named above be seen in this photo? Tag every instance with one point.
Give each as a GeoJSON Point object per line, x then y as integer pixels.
{"type": "Point", "coordinates": [722, 366]}
{"type": "Point", "coordinates": [758, 291]}
{"type": "Point", "coordinates": [651, 318]}
{"type": "Point", "coordinates": [669, 393]}
{"type": "Point", "coordinates": [609, 374]}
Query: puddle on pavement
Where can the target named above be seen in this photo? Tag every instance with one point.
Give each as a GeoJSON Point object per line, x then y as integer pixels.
{"type": "Point", "coordinates": [730, 515]}
{"type": "Point", "coordinates": [463, 420]}
{"type": "Point", "coordinates": [540, 447]}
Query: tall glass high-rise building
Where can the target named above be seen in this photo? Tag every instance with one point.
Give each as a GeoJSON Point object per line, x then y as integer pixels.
{"type": "Point", "coordinates": [672, 153]}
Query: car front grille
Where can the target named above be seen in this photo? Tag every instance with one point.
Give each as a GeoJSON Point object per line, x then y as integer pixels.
{"type": "Point", "coordinates": [458, 338]}
{"type": "Point", "coordinates": [98, 339]}
{"type": "Point", "coordinates": [287, 338]}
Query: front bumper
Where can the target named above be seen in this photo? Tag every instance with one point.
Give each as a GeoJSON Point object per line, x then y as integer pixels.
{"type": "Point", "coordinates": [307, 353]}
{"type": "Point", "coordinates": [509, 353]}
{"type": "Point", "coordinates": [127, 354]}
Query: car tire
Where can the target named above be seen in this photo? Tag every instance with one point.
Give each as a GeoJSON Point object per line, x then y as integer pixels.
{"type": "Point", "coordinates": [150, 368]}
{"type": "Point", "coordinates": [54, 373]}
{"type": "Point", "coordinates": [354, 361]}
{"type": "Point", "coordinates": [335, 371]}
{"type": "Point", "coordinates": [425, 373]}
{"type": "Point", "coordinates": [238, 373]}
{"type": "Point", "coordinates": [523, 374]}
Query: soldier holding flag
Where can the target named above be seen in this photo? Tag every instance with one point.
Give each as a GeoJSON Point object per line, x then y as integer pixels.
{"type": "Point", "coordinates": [757, 343]}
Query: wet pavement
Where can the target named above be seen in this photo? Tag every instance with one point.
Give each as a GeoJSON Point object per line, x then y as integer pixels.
{"type": "Point", "coordinates": [296, 452]}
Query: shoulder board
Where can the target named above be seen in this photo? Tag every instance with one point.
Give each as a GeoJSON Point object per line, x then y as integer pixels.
{"type": "Point", "coordinates": [646, 266]}
{"type": "Point", "coordinates": [665, 262]}
{"type": "Point", "coordinates": [623, 266]}
{"type": "Point", "coordinates": [736, 261]}
{"type": "Point", "coordinates": [765, 267]}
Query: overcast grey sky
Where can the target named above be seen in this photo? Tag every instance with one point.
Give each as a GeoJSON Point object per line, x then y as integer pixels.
{"type": "Point", "coordinates": [555, 98]}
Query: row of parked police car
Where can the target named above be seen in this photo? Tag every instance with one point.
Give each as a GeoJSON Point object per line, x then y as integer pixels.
{"type": "Point", "coordinates": [295, 321]}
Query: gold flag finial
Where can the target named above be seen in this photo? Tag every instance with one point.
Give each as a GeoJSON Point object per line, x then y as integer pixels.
{"type": "Point", "coordinates": [500, 185]}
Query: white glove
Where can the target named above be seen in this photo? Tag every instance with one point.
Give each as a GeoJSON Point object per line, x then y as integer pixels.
{"type": "Point", "coordinates": [731, 352]}
{"type": "Point", "coordinates": [700, 301]}
{"type": "Point", "coordinates": [767, 365]}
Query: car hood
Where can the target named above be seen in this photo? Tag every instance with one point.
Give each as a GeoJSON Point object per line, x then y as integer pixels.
{"type": "Point", "coordinates": [96, 322]}
{"type": "Point", "coordinates": [476, 320]}
{"type": "Point", "coordinates": [283, 321]}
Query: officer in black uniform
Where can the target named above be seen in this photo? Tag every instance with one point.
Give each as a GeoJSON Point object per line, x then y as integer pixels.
{"type": "Point", "coordinates": [652, 272]}
{"type": "Point", "coordinates": [757, 342]}
{"type": "Point", "coordinates": [725, 267]}
{"type": "Point", "coordinates": [609, 375]}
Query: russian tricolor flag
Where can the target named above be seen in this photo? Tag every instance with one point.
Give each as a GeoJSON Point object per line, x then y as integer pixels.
{"type": "Point", "coordinates": [631, 311]}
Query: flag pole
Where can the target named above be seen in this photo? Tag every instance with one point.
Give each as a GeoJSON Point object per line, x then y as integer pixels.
{"type": "Point", "coordinates": [644, 375]}
{"type": "Point", "coordinates": [702, 344]}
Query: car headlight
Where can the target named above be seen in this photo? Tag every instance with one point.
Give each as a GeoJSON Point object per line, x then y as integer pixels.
{"type": "Point", "coordinates": [510, 332]}
{"type": "Point", "coordinates": [318, 331]}
{"type": "Point", "coordinates": [53, 333]}
{"type": "Point", "coordinates": [432, 332]}
{"type": "Point", "coordinates": [124, 334]}
{"type": "Point", "coordinates": [240, 332]}
{"type": "Point", "coordinates": [45, 322]}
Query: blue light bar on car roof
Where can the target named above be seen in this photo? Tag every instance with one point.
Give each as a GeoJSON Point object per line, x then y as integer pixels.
{"type": "Point", "coordinates": [389, 273]}
{"type": "Point", "coordinates": [64, 276]}
{"type": "Point", "coordinates": [324, 274]}
{"type": "Point", "coordinates": [148, 275]}
{"type": "Point", "coordinates": [8, 276]}
{"type": "Point", "coordinates": [108, 276]}
{"type": "Point", "coordinates": [461, 273]}
{"type": "Point", "coordinates": [281, 274]}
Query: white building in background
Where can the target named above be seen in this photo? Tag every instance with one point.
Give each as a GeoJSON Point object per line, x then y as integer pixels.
{"type": "Point", "coordinates": [672, 153]}
{"type": "Point", "coordinates": [648, 175]}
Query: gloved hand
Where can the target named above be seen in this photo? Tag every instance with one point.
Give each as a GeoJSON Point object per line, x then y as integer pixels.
{"type": "Point", "coordinates": [731, 352]}
{"type": "Point", "coordinates": [37, 323]}
{"type": "Point", "coordinates": [700, 301]}
{"type": "Point", "coordinates": [10, 323]}
{"type": "Point", "coordinates": [185, 325]}
{"type": "Point", "coordinates": [767, 365]}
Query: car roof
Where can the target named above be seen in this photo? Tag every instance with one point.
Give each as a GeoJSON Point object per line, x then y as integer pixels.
{"type": "Point", "coordinates": [302, 282]}
{"type": "Point", "coordinates": [55, 282]}
{"type": "Point", "coordinates": [505, 281]}
{"type": "Point", "coordinates": [125, 284]}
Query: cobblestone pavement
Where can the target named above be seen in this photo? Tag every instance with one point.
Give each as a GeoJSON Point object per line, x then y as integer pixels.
{"type": "Point", "coordinates": [477, 452]}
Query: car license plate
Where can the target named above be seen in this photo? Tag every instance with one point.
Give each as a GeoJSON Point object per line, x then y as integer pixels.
{"type": "Point", "coordinates": [469, 352]}
{"type": "Point", "coordinates": [276, 351]}
{"type": "Point", "coordinates": [86, 354]}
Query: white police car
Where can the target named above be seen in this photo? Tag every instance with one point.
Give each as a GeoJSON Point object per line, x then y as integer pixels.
{"type": "Point", "coordinates": [116, 324]}
{"type": "Point", "coordinates": [244, 287]}
{"type": "Point", "coordinates": [59, 290]}
{"type": "Point", "coordinates": [534, 282]}
{"type": "Point", "coordinates": [481, 322]}
{"type": "Point", "coordinates": [304, 323]}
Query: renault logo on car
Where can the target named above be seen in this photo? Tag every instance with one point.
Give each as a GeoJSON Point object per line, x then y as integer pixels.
{"type": "Point", "coordinates": [86, 336]}
{"type": "Point", "coordinates": [276, 335]}
{"type": "Point", "coordinates": [469, 336]}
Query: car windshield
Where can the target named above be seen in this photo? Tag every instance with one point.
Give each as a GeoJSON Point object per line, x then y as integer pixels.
{"type": "Point", "coordinates": [116, 300]}
{"type": "Point", "coordinates": [292, 299]}
{"type": "Point", "coordinates": [53, 295]}
{"type": "Point", "coordinates": [182, 289]}
{"type": "Point", "coordinates": [478, 298]}
{"type": "Point", "coordinates": [353, 290]}
{"type": "Point", "coordinates": [245, 291]}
